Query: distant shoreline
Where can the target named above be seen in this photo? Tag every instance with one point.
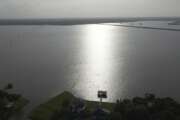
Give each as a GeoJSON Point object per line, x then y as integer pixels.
{"type": "Point", "coordinates": [82, 21]}
{"type": "Point", "coordinates": [175, 23]}
{"type": "Point", "coordinates": [146, 27]}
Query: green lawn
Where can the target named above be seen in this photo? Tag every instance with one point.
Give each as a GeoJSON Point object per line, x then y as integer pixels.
{"type": "Point", "coordinates": [45, 110]}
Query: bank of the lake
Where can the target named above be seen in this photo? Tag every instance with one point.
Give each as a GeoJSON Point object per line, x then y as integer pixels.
{"type": "Point", "coordinates": [68, 107]}
{"type": "Point", "coordinates": [45, 110]}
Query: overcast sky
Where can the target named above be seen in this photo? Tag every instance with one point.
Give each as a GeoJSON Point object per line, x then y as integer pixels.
{"type": "Point", "coordinates": [87, 8]}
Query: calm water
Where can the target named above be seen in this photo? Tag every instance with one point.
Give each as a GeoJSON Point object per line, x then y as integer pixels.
{"type": "Point", "coordinates": [43, 61]}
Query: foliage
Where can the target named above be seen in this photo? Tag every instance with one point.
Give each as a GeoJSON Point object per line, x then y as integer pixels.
{"type": "Point", "coordinates": [10, 103]}
{"type": "Point", "coordinates": [148, 107]}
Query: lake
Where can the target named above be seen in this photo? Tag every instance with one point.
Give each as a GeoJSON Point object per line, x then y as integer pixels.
{"type": "Point", "coordinates": [43, 61]}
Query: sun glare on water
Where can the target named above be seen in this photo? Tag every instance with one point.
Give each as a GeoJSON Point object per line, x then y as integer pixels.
{"type": "Point", "coordinates": [97, 69]}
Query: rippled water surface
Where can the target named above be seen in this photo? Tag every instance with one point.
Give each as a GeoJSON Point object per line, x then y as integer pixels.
{"type": "Point", "coordinates": [43, 61]}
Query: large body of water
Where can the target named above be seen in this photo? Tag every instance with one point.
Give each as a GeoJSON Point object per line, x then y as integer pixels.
{"type": "Point", "coordinates": [43, 61]}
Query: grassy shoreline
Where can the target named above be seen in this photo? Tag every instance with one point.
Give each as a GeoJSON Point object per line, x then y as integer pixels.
{"type": "Point", "coordinates": [148, 107]}
{"type": "Point", "coordinates": [45, 110]}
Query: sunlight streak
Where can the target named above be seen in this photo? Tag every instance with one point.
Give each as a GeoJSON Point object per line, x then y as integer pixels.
{"type": "Point", "coordinates": [97, 52]}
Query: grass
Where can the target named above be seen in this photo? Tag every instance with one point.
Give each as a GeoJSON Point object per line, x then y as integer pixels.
{"type": "Point", "coordinates": [93, 104]}
{"type": "Point", "coordinates": [45, 110]}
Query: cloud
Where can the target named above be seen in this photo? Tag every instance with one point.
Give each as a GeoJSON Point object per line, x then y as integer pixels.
{"type": "Point", "coordinates": [87, 8]}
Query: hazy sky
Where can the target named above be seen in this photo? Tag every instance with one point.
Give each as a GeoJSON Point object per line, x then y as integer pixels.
{"type": "Point", "coordinates": [88, 8]}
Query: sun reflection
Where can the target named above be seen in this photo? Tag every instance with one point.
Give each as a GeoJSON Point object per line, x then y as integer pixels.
{"type": "Point", "coordinates": [98, 43]}
{"type": "Point", "coordinates": [96, 72]}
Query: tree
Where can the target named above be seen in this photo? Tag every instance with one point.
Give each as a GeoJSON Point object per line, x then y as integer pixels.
{"type": "Point", "coordinates": [8, 86]}
{"type": "Point", "coordinates": [10, 103]}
